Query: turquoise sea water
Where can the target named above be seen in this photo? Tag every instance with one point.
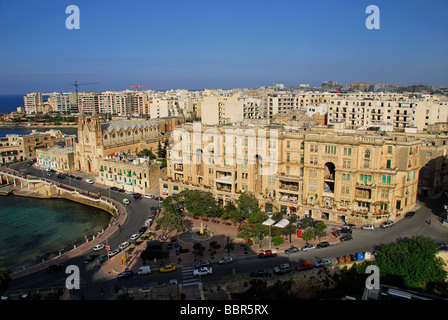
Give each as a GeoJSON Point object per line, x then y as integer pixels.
{"type": "Point", "coordinates": [35, 229]}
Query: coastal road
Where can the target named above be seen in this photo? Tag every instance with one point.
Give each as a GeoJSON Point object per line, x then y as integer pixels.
{"type": "Point", "coordinates": [93, 280]}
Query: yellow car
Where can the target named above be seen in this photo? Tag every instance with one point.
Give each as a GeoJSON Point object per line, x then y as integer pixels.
{"type": "Point", "coordinates": [167, 268]}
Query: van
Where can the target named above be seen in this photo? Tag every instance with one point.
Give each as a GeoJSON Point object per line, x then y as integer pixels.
{"type": "Point", "coordinates": [144, 270]}
{"type": "Point", "coordinates": [126, 201]}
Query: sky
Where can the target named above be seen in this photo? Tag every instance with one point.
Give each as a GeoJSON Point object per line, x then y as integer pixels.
{"type": "Point", "coordinates": [198, 44]}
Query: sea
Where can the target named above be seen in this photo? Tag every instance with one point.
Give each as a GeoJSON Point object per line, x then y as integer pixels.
{"type": "Point", "coordinates": [33, 230]}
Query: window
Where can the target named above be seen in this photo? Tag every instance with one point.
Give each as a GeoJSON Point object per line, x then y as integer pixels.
{"type": "Point", "coordinates": [388, 164]}
{"type": "Point", "coordinates": [367, 154]}
{"type": "Point", "coordinates": [389, 149]}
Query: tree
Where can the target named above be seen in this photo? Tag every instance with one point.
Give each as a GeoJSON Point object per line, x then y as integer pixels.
{"type": "Point", "coordinates": [146, 153]}
{"type": "Point", "coordinates": [308, 234]}
{"type": "Point", "coordinates": [319, 229]}
{"type": "Point", "coordinates": [247, 203]}
{"type": "Point", "coordinates": [171, 222]}
{"type": "Point", "coordinates": [414, 261]}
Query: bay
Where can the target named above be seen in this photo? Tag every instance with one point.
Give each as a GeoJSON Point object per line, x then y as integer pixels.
{"type": "Point", "coordinates": [34, 229]}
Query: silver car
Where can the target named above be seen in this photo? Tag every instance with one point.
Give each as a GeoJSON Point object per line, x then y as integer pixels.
{"type": "Point", "coordinates": [370, 227]}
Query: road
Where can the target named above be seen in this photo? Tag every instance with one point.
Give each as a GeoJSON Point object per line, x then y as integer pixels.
{"type": "Point", "coordinates": [93, 279]}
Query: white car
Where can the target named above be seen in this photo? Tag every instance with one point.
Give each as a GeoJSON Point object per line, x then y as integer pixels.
{"type": "Point", "coordinates": [128, 192]}
{"type": "Point", "coordinates": [112, 253]}
{"type": "Point", "coordinates": [125, 201]}
{"type": "Point", "coordinates": [370, 227]}
{"type": "Point", "coordinates": [135, 236]}
{"type": "Point", "coordinates": [149, 196]}
{"type": "Point", "coordinates": [308, 247]}
{"type": "Point", "coordinates": [202, 271]}
{"type": "Point", "coordinates": [322, 262]}
{"type": "Point", "coordinates": [225, 260]}
{"type": "Point", "coordinates": [98, 247]}
{"type": "Point", "coordinates": [89, 181]}
{"type": "Point", "coordinates": [124, 245]}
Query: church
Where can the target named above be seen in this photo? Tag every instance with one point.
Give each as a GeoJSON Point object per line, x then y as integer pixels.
{"type": "Point", "coordinates": [97, 140]}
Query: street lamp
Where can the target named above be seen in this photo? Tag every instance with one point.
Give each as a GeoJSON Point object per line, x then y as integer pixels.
{"type": "Point", "coordinates": [269, 222]}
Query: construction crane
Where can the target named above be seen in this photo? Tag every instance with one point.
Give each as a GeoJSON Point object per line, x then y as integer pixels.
{"type": "Point", "coordinates": [138, 86]}
{"type": "Point", "coordinates": [76, 85]}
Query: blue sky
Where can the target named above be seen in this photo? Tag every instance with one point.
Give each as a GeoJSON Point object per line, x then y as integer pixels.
{"type": "Point", "coordinates": [196, 44]}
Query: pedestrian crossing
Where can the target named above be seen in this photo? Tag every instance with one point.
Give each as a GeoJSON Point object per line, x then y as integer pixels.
{"type": "Point", "coordinates": [188, 279]}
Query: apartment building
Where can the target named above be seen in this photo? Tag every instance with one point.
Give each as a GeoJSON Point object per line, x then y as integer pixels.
{"type": "Point", "coordinates": [164, 107]}
{"type": "Point", "coordinates": [319, 173]}
{"type": "Point", "coordinates": [31, 102]}
{"type": "Point", "coordinates": [129, 172]}
{"type": "Point", "coordinates": [88, 102]}
{"type": "Point", "coordinates": [401, 114]}
{"type": "Point", "coordinates": [221, 109]}
{"type": "Point", "coordinates": [285, 101]}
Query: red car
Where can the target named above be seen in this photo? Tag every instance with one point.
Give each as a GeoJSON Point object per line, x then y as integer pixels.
{"type": "Point", "coordinates": [304, 266]}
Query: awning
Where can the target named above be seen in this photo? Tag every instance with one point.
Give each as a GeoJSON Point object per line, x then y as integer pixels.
{"type": "Point", "coordinates": [268, 222]}
{"type": "Point", "coordinates": [282, 223]}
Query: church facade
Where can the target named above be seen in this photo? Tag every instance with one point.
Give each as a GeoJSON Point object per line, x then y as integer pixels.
{"type": "Point", "coordinates": [96, 140]}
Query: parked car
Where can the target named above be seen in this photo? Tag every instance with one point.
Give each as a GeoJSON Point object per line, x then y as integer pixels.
{"type": "Point", "coordinates": [202, 263]}
{"type": "Point", "coordinates": [137, 196]}
{"type": "Point", "coordinates": [322, 262]}
{"type": "Point", "coordinates": [167, 268]}
{"type": "Point", "coordinates": [203, 271]}
{"type": "Point", "coordinates": [148, 196]}
{"type": "Point", "coordinates": [349, 225]}
{"type": "Point", "coordinates": [114, 252]}
{"type": "Point", "coordinates": [292, 250]}
{"type": "Point", "coordinates": [128, 192]}
{"type": "Point", "coordinates": [304, 266]}
{"type": "Point", "coordinates": [387, 224]}
{"type": "Point", "coordinates": [102, 258]}
{"type": "Point", "coordinates": [345, 230]}
{"type": "Point", "coordinates": [142, 229]}
{"type": "Point", "coordinates": [282, 269]}
{"type": "Point", "coordinates": [308, 247]}
{"type": "Point", "coordinates": [126, 201]}
{"type": "Point", "coordinates": [158, 198]}
{"type": "Point", "coordinates": [126, 274]}
{"type": "Point", "coordinates": [135, 236]}
{"type": "Point", "coordinates": [78, 178]}
{"type": "Point", "coordinates": [90, 258]}
{"type": "Point", "coordinates": [124, 245]}
{"type": "Point", "coordinates": [225, 260]}
{"type": "Point", "coordinates": [267, 253]}
{"type": "Point", "coordinates": [98, 247]}
{"type": "Point", "coordinates": [151, 284]}
{"type": "Point", "coordinates": [169, 282]}
{"type": "Point", "coordinates": [346, 237]}
{"type": "Point", "coordinates": [323, 244]}
{"type": "Point", "coordinates": [89, 181]}
{"type": "Point", "coordinates": [409, 215]}
{"type": "Point", "coordinates": [153, 211]}
{"type": "Point", "coordinates": [260, 273]}
{"type": "Point", "coordinates": [370, 227]}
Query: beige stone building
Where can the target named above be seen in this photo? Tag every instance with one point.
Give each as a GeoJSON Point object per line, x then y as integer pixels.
{"type": "Point", "coordinates": [56, 158]}
{"type": "Point", "coordinates": [327, 175]}
{"type": "Point", "coordinates": [128, 172]}
{"type": "Point", "coordinates": [16, 147]}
